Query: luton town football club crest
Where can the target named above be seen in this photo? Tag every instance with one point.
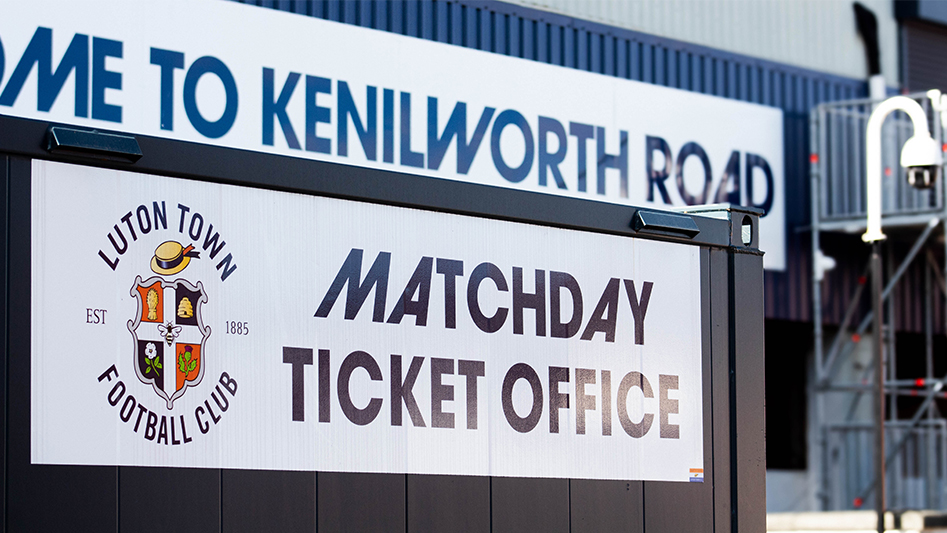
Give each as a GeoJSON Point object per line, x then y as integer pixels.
{"type": "Point", "coordinates": [168, 331]}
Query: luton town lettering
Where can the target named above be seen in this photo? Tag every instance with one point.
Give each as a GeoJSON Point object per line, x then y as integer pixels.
{"type": "Point", "coordinates": [383, 121]}
{"type": "Point", "coordinates": [145, 220]}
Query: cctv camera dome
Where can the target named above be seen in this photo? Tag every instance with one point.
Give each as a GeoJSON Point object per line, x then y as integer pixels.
{"type": "Point", "coordinates": [920, 151]}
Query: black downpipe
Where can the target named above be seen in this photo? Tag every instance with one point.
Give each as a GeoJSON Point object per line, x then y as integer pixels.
{"type": "Point", "coordinates": [867, 25]}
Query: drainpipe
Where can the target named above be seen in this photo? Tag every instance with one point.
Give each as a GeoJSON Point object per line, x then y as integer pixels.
{"type": "Point", "coordinates": [867, 25]}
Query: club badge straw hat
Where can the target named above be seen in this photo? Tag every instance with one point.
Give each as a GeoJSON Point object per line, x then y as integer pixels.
{"type": "Point", "coordinates": [170, 257]}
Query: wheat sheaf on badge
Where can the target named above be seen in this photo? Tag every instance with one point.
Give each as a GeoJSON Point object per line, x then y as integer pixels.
{"type": "Point", "coordinates": [168, 330]}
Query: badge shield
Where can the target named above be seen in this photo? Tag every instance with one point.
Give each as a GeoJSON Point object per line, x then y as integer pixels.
{"type": "Point", "coordinates": [169, 335]}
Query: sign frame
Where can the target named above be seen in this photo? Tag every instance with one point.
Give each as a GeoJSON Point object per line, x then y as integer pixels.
{"type": "Point", "coordinates": [732, 360]}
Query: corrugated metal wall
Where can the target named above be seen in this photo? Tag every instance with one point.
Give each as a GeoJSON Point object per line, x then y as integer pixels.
{"type": "Point", "coordinates": [796, 32]}
{"type": "Point", "coordinates": [538, 35]}
{"type": "Point", "coordinates": [924, 48]}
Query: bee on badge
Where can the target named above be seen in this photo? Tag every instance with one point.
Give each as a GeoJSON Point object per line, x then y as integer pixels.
{"type": "Point", "coordinates": [169, 332]}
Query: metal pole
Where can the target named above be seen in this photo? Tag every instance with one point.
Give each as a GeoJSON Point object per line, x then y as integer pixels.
{"type": "Point", "coordinates": [931, 463]}
{"type": "Point", "coordinates": [816, 172]}
{"type": "Point", "coordinates": [892, 281]}
{"type": "Point", "coordinates": [880, 383]}
{"type": "Point", "coordinates": [897, 487]}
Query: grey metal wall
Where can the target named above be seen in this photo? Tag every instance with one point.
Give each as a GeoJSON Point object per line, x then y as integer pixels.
{"type": "Point", "coordinates": [536, 35]}
{"type": "Point", "coordinates": [786, 31]}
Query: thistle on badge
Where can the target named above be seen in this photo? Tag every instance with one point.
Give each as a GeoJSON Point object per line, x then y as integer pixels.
{"type": "Point", "coordinates": [185, 362]}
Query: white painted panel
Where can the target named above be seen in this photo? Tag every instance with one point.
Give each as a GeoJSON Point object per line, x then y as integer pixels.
{"type": "Point", "coordinates": [100, 397]}
{"type": "Point", "coordinates": [239, 76]}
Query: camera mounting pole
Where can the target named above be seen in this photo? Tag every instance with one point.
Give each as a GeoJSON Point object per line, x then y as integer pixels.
{"type": "Point", "coordinates": [922, 157]}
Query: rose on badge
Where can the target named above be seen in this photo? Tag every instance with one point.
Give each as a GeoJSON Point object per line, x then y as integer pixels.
{"type": "Point", "coordinates": [152, 362]}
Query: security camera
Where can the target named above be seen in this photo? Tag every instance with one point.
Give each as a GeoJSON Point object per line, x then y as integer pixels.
{"type": "Point", "coordinates": [922, 158]}
{"type": "Point", "coordinates": [923, 177]}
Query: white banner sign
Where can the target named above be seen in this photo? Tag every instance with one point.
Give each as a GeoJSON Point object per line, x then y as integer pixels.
{"type": "Point", "coordinates": [169, 328]}
{"type": "Point", "coordinates": [257, 79]}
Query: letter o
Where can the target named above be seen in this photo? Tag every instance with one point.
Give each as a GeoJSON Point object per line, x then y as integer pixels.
{"type": "Point", "coordinates": [690, 149]}
{"type": "Point", "coordinates": [212, 65]}
{"type": "Point", "coordinates": [196, 217]}
{"type": "Point", "coordinates": [113, 398]}
{"type": "Point", "coordinates": [504, 119]}
{"type": "Point", "coordinates": [516, 372]}
{"type": "Point", "coordinates": [131, 408]}
{"type": "Point", "coordinates": [141, 223]}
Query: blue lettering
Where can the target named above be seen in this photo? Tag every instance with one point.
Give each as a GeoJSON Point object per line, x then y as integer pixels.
{"type": "Point", "coordinates": [656, 178]}
{"type": "Point", "coordinates": [688, 150]}
{"type": "Point", "coordinates": [408, 158]}
{"type": "Point", "coordinates": [105, 79]}
{"type": "Point", "coordinates": [546, 126]}
{"type": "Point", "coordinates": [40, 52]}
{"type": "Point", "coordinates": [456, 127]}
{"type": "Point", "coordinates": [210, 65]}
{"type": "Point", "coordinates": [504, 119]}
{"type": "Point", "coordinates": [367, 134]}
{"type": "Point", "coordinates": [582, 133]}
{"type": "Point", "coordinates": [314, 114]}
{"type": "Point", "coordinates": [619, 161]}
{"type": "Point", "coordinates": [2, 61]}
{"type": "Point", "coordinates": [278, 108]}
{"type": "Point", "coordinates": [755, 161]}
{"type": "Point", "coordinates": [388, 125]}
{"type": "Point", "coordinates": [729, 188]}
{"type": "Point", "coordinates": [168, 61]}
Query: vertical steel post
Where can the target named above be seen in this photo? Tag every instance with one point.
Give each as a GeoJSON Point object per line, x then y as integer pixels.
{"type": "Point", "coordinates": [896, 482]}
{"type": "Point", "coordinates": [878, 309]}
{"type": "Point", "coordinates": [931, 464]}
{"type": "Point", "coordinates": [939, 129]}
{"type": "Point", "coordinates": [816, 165]}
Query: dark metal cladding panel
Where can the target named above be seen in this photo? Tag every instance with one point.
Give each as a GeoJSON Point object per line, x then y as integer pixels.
{"type": "Point", "coordinates": [925, 46]}
{"type": "Point", "coordinates": [679, 507]}
{"type": "Point", "coordinates": [262, 500]}
{"type": "Point", "coordinates": [749, 387]}
{"type": "Point", "coordinates": [716, 302]}
{"type": "Point", "coordinates": [606, 505]}
{"type": "Point", "coordinates": [4, 326]}
{"type": "Point", "coordinates": [147, 497]}
{"type": "Point", "coordinates": [41, 497]}
{"type": "Point", "coordinates": [529, 504]}
{"type": "Point", "coordinates": [458, 504]}
{"type": "Point", "coordinates": [361, 503]}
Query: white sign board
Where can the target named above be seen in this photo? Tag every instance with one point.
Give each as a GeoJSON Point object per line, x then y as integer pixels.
{"type": "Point", "coordinates": [169, 328]}
{"type": "Point", "coordinates": [240, 76]}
